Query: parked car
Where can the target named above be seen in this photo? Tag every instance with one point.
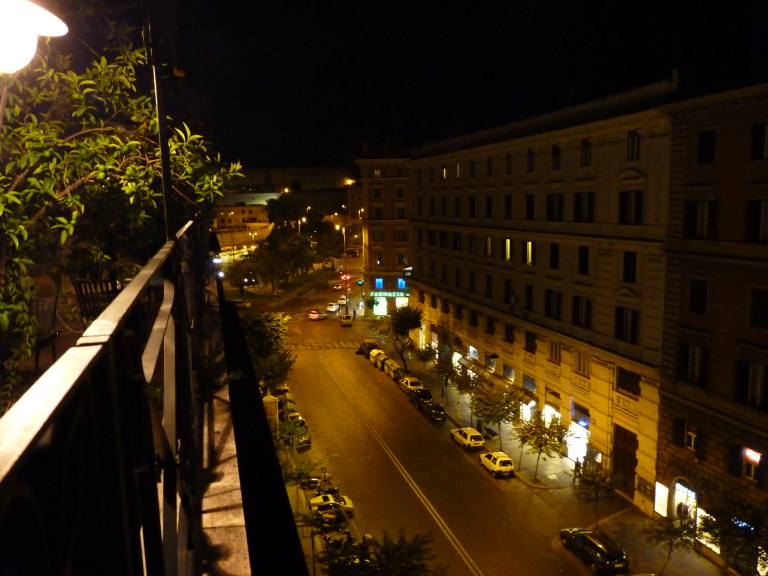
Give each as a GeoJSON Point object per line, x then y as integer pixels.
{"type": "Point", "coordinates": [320, 503]}
{"type": "Point", "coordinates": [332, 307]}
{"type": "Point", "coordinates": [420, 395]}
{"type": "Point", "coordinates": [315, 314]}
{"type": "Point", "coordinates": [432, 410]}
{"type": "Point", "coordinates": [366, 346]}
{"type": "Point", "coordinates": [345, 319]}
{"type": "Point", "coordinates": [596, 550]}
{"type": "Point", "coordinates": [468, 438]}
{"type": "Point", "coordinates": [498, 463]}
{"type": "Point", "coordinates": [409, 384]}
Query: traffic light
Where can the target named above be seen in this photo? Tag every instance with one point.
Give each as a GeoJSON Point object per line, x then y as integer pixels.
{"type": "Point", "coordinates": [359, 282]}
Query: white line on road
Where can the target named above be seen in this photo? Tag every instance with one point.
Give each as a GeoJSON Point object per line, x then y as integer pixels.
{"type": "Point", "coordinates": [473, 568]}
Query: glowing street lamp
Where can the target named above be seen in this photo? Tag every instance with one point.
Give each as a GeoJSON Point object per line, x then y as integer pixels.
{"type": "Point", "coordinates": [21, 22]}
{"type": "Point", "coordinates": [344, 236]}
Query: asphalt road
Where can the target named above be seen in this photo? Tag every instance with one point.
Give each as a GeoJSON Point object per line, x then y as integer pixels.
{"type": "Point", "coordinates": [403, 472]}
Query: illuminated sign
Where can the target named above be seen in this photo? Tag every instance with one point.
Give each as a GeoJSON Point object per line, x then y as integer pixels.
{"type": "Point", "coordinates": [752, 455]}
{"type": "Point", "coordinates": [389, 294]}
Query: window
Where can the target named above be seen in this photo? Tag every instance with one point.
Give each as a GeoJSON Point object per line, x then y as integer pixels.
{"type": "Point", "coordinates": [585, 153]}
{"type": "Point", "coordinates": [627, 320]}
{"type": "Point", "coordinates": [400, 192]}
{"type": "Point", "coordinates": [400, 213]}
{"type": "Point", "coordinates": [752, 383]}
{"type": "Point", "coordinates": [554, 256]}
{"type": "Point", "coordinates": [432, 301]}
{"type": "Point", "coordinates": [758, 309]}
{"type": "Point", "coordinates": [508, 206]}
{"type": "Point", "coordinates": [698, 293]}
{"type": "Point", "coordinates": [471, 243]}
{"type": "Point", "coordinates": [750, 463]}
{"type": "Point", "coordinates": [489, 245]}
{"type": "Point", "coordinates": [555, 207]}
{"type": "Point", "coordinates": [556, 157]}
{"type": "Point", "coordinates": [445, 307]}
{"type": "Point", "coordinates": [471, 168]}
{"type": "Point", "coordinates": [692, 364]}
{"type": "Point", "coordinates": [627, 381]}
{"type": "Point", "coordinates": [456, 241]}
{"type": "Point", "coordinates": [401, 284]}
{"type": "Point", "coordinates": [473, 318]}
{"type": "Point", "coordinates": [530, 161]}
{"type": "Point", "coordinates": [402, 259]}
{"type": "Point", "coordinates": [509, 333]}
{"type": "Point", "coordinates": [706, 144]}
{"type": "Point", "coordinates": [760, 141]}
{"type": "Point", "coordinates": [508, 163]}
{"type": "Point", "coordinates": [555, 352]}
{"type": "Point", "coordinates": [458, 312]}
{"type": "Point", "coordinates": [529, 297]}
{"type": "Point", "coordinates": [633, 145]}
{"type": "Point", "coordinates": [553, 303]}
{"type": "Point", "coordinates": [757, 221]}
{"type": "Point", "coordinates": [630, 207]}
{"type": "Point", "coordinates": [490, 325]}
{"type": "Point", "coordinates": [530, 204]}
{"type": "Point", "coordinates": [700, 219]}
{"type": "Point", "coordinates": [378, 283]}
{"type": "Point", "coordinates": [583, 260]}
{"type": "Point", "coordinates": [629, 267]}
{"type": "Point", "coordinates": [584, 207]}
{"type": "Point", "coordinates": [376, 172]}
{"type": "Point", "coordinates": [530, 341]}
{"type": "Point", "coordinates": [582, 362]}
{"type": "Point", "coordinates": [457, 277]}
{"type": "Point", "coordinates": [378, 259]}
{"type": "Point", "coordinates": [377, 213]}
{"type": "Point", "coordinates": [489, 206]}
{"type": "Point", "coordinates": [489, 166]}
{"type": "Point", "coordinates": [443, 172]}
{"type": "Point", "coordinates": [582, 312]}
{"type": "Point", "coordinates": [457, 206]}
{"type": "Point", "coordinates": [472, 206]}
{"type": "Point", "coordinates": [685, 434]}
{"type": "Point", "coordinates": [472, 281]}
{"type": "Point", "coordinates": [401, 235]}
{"type": "Point", "coordinates": [488, 286]}
{"type": "Point", "coordinates": [458, 170]}
{"type": "Point", "coordinates": [507, 249]}
{"type": "Point", "coordinates": [376, 193]}
{"type": "Point", "coordinates": [508, 297]}
{"type": "Point", "coordinates": [529, 253]}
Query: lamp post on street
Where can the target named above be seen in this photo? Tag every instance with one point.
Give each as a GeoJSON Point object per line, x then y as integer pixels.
{"type": "Point", "coordinates": [21, 22]}
{"type": "Point", "coordinates": [300, 220]}
{"type": "Point", "coordinates": [344, 237]}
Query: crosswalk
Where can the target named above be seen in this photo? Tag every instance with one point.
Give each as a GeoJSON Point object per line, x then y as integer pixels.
{"type": "Point", "coordinates": [324, 344]}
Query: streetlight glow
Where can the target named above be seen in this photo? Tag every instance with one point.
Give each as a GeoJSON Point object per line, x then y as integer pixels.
{"type": "Point", "coordinates": [21, 22]}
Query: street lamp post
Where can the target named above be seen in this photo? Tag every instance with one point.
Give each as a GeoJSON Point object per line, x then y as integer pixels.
{"type": "Point", "coordinates": [21, 22]}
{"type": "Point", "coordinates": [344, 236]}
{"type": "Point", "coordinates": [300, 220]}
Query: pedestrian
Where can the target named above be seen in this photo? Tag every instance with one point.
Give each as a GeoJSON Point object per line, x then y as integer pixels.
{"type": "Point", "coordinates": [576, 469]}
{"type": "Point", "coordinates": [354, 314]}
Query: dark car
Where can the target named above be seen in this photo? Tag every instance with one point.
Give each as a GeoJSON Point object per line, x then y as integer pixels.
{"type": "Point", "coordinates": [432, 410]}
{"type": "Point", "coordinates": [596, 550]}
{"type": "Point", "coordinates": [366, 346]}
{"type": "Point", "coordinates": [420, 395]}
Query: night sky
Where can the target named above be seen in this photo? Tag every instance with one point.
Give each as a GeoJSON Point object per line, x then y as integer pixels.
{"type": "Point", "coordinates": [289, 82]}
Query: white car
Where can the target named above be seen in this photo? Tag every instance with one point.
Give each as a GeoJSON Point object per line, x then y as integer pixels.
{"type": "Point", "coordinates": [498, 463]}
{"type": "Point", "coordinates": [409, 384]}
{"type": "Point", "coordinates": [468, 438]}
{"type": "Point", "coordinates": [330, 501]}
{"type": "Point", "coordinates": [342, 301]}
{"type": "Point", "coordinates": [332, 307]}
{"type": "Point", "coordinates": [316, 315]}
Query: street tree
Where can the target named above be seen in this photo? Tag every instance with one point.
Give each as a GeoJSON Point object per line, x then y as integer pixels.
{"type": "Point", "coordinates": [496, 403]}
{"type": "Point", "coordinates": [265, 337]}
{"type": "Point", "coordinates": [81, 173]}
{"type": "Point", "coordinates": [403, 321]}
{"type": "Point", "coordinates": [388, 557]}
{"type": "Point", "coordinates": [594, 480]}
{"type": "Point", "coordinates": [545, 437]}
{"type": "Point", "coordinates": [425, 354]}
{"type": "Point", "coordinates": [242, 273]}
{"type": "Point", "coordinates": [740, 529]}
{"type": "Point", "coordinates": [674, 533]}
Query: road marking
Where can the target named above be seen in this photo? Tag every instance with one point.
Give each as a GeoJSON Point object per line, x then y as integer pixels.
{"type": "Point", "coordinates": [460, 550]}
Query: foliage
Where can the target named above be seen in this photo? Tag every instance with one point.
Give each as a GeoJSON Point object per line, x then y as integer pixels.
{"type": "Point", "coordinates": [593, 480]}
{"type": "Point", "coordinates": [670, 532]}
{"type": "Point", "coordinates": [241, 274]}
{"type": "Point", "coordinates": [388, 557]}
{"type": "Point", "coordinates": [80, 174]}
{"type": "Point", "coordinates": [546, 438]}
{"type": "Point", "coordinates": [265, 337]}
{"type": "Point", "coordinates": [403, 320]}
{"type": "Point", "coordinates": [425, 354]}
{"type": "Point", "coordinates": [496, 403]}
{"type": "Point", "coordinates": [740, 529]}
{"type": "Point", "coordinates": [280, 255]}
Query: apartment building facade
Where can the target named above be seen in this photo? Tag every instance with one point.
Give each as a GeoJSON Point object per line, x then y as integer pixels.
{"type": "Point", "coordinates": [540, 257]}
{"type": "Point", "coordinates": [713, 434]}
{"type": "Point", "coordinates": [384, 210]}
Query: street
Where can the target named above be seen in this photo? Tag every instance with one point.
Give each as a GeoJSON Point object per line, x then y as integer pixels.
{"type": "Point", "coordinates": [401, 471]}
